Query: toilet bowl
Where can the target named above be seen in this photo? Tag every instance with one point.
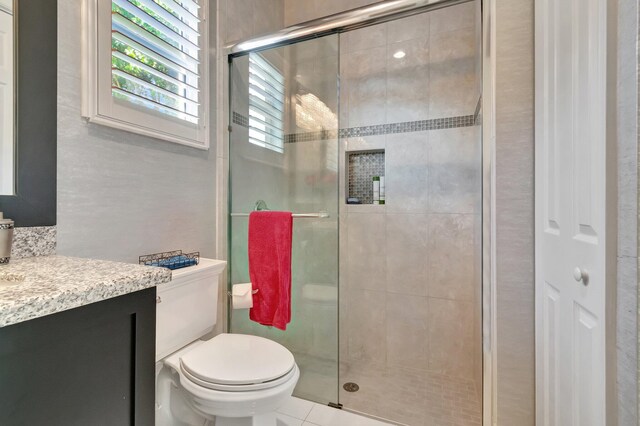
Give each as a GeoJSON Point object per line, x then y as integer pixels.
{"type": "Point", "coordinates": [234, 379]}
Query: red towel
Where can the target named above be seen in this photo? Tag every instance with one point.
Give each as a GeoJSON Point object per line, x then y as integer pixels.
{"type": "Point", "coordinates": [270, 267]}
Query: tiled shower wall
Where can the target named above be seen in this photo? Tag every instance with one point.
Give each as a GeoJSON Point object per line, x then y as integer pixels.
{"type": "Point", "coordinates": [410, 270]}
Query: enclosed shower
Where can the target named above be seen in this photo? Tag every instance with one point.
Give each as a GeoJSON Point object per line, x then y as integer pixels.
{"type": "Point", "coordinates": [386, 286]}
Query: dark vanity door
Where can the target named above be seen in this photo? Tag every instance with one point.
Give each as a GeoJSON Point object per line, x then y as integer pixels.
{"type": "Point", "coordinates": [92, 365]}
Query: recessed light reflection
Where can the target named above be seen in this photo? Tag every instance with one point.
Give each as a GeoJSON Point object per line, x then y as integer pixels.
{"type": "Point", "coordinates": [399, 54]}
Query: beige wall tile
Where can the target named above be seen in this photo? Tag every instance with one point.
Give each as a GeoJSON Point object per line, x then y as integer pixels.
{"type": "Point", "coordinates": [366, 143]}
{"type": "Point", "coordinates": [406, 330]}
{"type": "Point", "coordinates": [514, 22]}
{"type": "Point", "coordinates": [238, 26]}
{"type": "Point", "coordinates": [408, 81]}
{"type": "Point", "coordinates": [244, 19]}
{"type": "Point", "coordinates": [453, 18]}
{"type": "Point", "coordinates": [365, 38]}
{"type": "Point", "coordinates": [365, 72]}
{"type": "Point", "coordinates": [452, 257]}
{"type": "Point", "coordinates": [450, 337]}
{"type": "Point", "coordinates": [271, 16]}
{"type": "Point", "coordinates": [407, 254]}
{"type": "Point", "coordinates": [452, 73]}
{"type": "Point", "coordinates": [297, 11]}
{"type": "Point", "coordinates": [455, 170]}
{"type": "Point", "coordinates": [406, 172]}
{"type": "Point", "coordinates": [416, 26]}
{"type": "Point", "coordinates": [366, 239]}
{"type": "Point", "coordinates": [366, 329]}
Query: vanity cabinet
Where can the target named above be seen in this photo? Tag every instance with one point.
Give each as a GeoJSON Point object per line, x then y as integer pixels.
{"type": "Point", "coordinates": [92, 365]}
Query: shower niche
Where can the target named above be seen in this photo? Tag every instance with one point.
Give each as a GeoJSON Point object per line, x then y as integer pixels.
{"type": "Point", "coordinates": [365, 168]}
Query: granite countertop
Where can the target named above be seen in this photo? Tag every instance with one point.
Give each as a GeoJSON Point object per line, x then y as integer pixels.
{"type": "Point", "coordinates": [57, 283]}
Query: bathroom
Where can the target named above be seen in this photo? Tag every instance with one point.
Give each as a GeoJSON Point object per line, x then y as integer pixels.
{"type": "Point", "coordinates": [414, 304]}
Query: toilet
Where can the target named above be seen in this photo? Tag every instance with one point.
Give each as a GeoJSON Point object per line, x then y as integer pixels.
{"type": "Point", "coordinates": [229, 379]}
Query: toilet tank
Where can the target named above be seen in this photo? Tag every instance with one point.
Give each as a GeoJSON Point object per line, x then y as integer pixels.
{"type": "Point", "coordinates": [187, 306]}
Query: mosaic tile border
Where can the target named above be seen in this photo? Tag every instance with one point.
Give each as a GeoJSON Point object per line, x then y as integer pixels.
{"type": "Point", "coordinates": [409, 126]}
{"type": "Point", "coordinates": [374, 130]}
{"type": "Point", "coordinates": [311, 136]}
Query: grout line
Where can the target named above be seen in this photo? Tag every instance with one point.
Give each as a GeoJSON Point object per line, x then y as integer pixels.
{"type": "Point", "coordinates": [309, 413]}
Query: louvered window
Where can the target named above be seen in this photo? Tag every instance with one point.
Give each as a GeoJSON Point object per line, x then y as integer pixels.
{"type": "Point", "coordinates": [150, 68]}
{"type": "Point", "coordinates": [266, 104]}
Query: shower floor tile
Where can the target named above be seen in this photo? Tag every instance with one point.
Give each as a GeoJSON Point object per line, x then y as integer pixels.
{"type": "Point", "coordinates": [412, 397]}
{"type": "Point", "coordinates": [396, 395]}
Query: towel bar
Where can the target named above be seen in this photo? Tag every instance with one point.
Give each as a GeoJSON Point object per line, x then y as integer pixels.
{"type": "Point", "coordinates": [322, 215]}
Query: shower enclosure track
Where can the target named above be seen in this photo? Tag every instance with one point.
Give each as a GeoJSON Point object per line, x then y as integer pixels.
{"type": "Point", "coordinates": [365, 16]}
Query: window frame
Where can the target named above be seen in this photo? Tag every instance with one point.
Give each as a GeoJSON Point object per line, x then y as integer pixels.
{"type": "Point", "coordinates": [100, 107]}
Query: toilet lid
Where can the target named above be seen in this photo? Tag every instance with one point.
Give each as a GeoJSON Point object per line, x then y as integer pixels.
{"type": "Point", "coordinates": [238, 359]}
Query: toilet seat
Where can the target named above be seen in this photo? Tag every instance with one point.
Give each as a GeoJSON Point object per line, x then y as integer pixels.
{"type": "Point", "coordinates": [239, 388]}
{"type": "Point", "coordinates": [238, 362]}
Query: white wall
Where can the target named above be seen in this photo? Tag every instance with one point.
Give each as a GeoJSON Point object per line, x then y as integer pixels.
{"type": "Point", "coordinates": [121, 195]}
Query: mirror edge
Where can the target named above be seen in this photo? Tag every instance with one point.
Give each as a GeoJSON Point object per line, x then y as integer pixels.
{"type": "Point", "coordinates": [34, 201]}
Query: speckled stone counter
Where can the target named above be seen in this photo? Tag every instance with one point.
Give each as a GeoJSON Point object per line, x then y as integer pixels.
{"type": "Point", "coordinates": [57, 283]}
{"type": "Point", "coordinates": [33, 241]}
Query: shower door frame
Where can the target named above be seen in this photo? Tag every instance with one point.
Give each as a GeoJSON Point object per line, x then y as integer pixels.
{"type": "Point", "coordinates": [488, 140]}
{"type": "Point", "coordinates": [323, 213]}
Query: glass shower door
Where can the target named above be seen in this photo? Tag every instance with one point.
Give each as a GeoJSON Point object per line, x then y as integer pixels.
{"type": "Point", "coordinates": [283, 155]}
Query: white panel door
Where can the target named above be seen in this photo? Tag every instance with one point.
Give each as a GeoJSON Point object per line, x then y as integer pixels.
{"type": "Point", "coordinates": [570, 88]}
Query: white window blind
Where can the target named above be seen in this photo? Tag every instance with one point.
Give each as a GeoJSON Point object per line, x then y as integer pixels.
{"type": "Point", "coordinates": [266, 104]}
{"type": "Point", "coordinates": [148, 73]}
{"type": "Point", "coordinates": [155, 55]}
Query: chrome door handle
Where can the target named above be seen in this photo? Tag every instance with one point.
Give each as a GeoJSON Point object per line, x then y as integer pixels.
{"type": "Point", "coordinates": [581, 275]}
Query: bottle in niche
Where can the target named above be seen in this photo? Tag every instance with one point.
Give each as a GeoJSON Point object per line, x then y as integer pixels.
{"type": "Point", "coordinates": [382, 190]}
{"type": "Point", "coordinates": [6, 239]}
{"type": "Point", "coordinates": [376, 190]}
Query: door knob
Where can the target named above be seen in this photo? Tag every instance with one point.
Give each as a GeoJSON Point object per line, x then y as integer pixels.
{"type": "Point", "coordinates": [580, 275]}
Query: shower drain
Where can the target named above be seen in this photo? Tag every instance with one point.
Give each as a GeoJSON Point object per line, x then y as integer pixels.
{"type": "Point", "coordinates": [351, 387]}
